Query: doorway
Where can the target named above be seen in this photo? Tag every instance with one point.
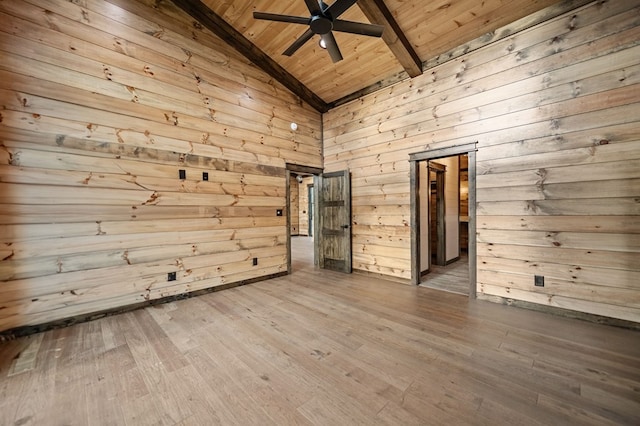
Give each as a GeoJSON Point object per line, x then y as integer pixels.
{"type": "Point", "coordinates": [442, 218]}
{"type": "Point", "coordinates": [300, 216]}
{"type": "Point", "coordinates": [324, 219]}
{"type": "Point", "coordinates": [301, 207]}
{"type": "Point", "coordinates": [446, 267]}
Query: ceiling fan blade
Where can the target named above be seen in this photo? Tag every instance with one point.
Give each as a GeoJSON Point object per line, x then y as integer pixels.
{"type": "Point", "coordinates": [339, 6]}
{"type": "Point", "coordinates": [313, 6]}
{"type": "Point", "coordinates": [332, 47]}
{"type": "Point", "coordinates": [299, 42]}
{"type": "Point", "coordinates": [281, 18]}
{"type": "Point", "coordinates": [358, 28]}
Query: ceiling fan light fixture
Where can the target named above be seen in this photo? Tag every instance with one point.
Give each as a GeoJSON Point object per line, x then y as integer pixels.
{"type": "Point", "coordinates": [323, 21]}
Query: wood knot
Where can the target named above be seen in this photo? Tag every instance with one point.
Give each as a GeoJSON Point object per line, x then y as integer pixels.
{"type": "Point", "coordinates": [152, 199]}
{"type": "Point", "coordinates": [107, 73]}
{"type": "Point", "coordinates": [173, 119]}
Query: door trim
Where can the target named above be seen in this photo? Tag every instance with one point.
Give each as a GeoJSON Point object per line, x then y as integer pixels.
{"type": "Point", "coordinates": [414, 196]}
{"type": "Point", "coordinates": [311, 197]}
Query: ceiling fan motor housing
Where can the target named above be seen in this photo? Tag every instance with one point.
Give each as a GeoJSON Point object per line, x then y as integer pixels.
{"type": "Point", "coordinates": [320, 24]}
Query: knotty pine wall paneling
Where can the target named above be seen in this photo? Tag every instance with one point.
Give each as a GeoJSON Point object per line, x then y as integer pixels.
{"type": "Point", "coordinates": [103, 102]}
{"type": "Point", "coordinates": [555, 111]}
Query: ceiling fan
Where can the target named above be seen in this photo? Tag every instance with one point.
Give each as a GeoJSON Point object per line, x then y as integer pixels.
{"type": "Point", "coordinates": [322, 21]}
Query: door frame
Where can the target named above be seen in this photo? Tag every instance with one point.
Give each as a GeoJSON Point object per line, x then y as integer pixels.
{"type": "Point", "coordinates": [414, 195]}
{"type": "Point", "coordinates": [295, 168]}
{"type": "Point", "coordinates": [311, 205]}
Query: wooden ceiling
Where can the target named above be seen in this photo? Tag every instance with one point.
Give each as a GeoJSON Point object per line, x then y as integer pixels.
{"type": "Point", "coordinates": [418, 34]}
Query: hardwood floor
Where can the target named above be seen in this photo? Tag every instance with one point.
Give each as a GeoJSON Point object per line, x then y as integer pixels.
{"type": "Point", "coordinates": [318, 347]}
{"type": "Point", "coordinates": [453, 277]}
{"type": "Point", "coordinates": [301, 253]}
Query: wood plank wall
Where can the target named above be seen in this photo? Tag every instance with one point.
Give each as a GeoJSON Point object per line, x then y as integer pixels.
{"type": "Point", "coordinates": [103, 102]}
{"type": "Point", "coordinates": [555, 111]}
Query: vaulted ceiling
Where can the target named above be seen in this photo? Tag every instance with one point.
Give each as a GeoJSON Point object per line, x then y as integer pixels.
{"type": "Point", "coordinates": [418, 34]}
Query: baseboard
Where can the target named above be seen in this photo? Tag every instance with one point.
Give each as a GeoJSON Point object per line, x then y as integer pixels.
{"type": "Point", "coordinates": [450, 261]}
{"type": "Point", "coordinates": [567, 313]}
{"type": "Point", "coordinates": [65, 322]}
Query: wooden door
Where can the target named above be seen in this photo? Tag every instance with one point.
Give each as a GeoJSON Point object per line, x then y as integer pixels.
{"type": "Point", "coordinates": [334, 221]}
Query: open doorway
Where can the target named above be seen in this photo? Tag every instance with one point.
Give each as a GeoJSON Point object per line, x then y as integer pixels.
{"type": "Point", "coordinates": [301, 206]}
{"type": "Point", "coordinates": [444, 224]}
{"type": "Point", "coordinates": [301, 216]}
{"type": "Point", "coordinates": [442, 218]}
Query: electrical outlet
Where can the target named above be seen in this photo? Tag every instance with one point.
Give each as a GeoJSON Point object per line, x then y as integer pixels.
{"type": "Point", "coordinates": [171, 276]}
{"type": "Point", "coordinates": [538, 280]}
{"type": "Point", "coordinates": [279, 212]}
{"type": "Point", "coordinates": [182, 174]}
{"type": "Point", "coordinates": [205, 176]}
{"type": "Point", "coordinates": [255, 261]}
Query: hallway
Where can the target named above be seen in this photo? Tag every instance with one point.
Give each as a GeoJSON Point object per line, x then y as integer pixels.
{"type": "Point", "coordinates": [453, 277]}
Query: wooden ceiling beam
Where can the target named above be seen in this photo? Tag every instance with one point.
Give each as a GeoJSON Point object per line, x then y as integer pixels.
{"type": "Point", "coordinates": [378, 13]}
{"type": "Point", "coordinates": [210, 20]}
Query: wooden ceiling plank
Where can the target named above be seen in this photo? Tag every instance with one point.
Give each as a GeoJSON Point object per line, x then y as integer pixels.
{"type": "Point", "coordinates": [210, 20]}
{"type": "Point", "coordinates": [378, 13]}
{"type": "Point", "coordinates": [272, 37]}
